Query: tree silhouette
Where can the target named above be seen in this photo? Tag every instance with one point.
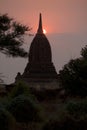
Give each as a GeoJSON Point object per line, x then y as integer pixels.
{"type": "Point", "coordinates": [84, 52]}
{"type": "Point", "coordinates": [25, 110]}
{"type": "Point", "coordinates": [73, 76]}
{"type": "Point", "coordinates": [7, 121]}
{"type": "Point", "coordinates": [12, 36]}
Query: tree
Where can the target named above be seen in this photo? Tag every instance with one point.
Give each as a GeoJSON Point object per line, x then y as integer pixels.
{"type": "Point", "coordinates": [84, 52]}
{"type": "Point", "coordinates": [21, 88]}
{"type": "Point", "coordinates": [73, 116]}
{"type": "Point", "coordinates": [12, 36]}
{"type": "Point", "coordinates": [1, 80]}
{"type": "Point", "coordinates": [73, 76]}
{"type": "Point", "coordinates": [24, 109]}
{"type": "Point", "coordinates": [7, 121]}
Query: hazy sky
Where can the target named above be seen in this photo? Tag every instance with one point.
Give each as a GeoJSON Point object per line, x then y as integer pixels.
{"type": "Point", "coordinates": [59, 15]}
{"type": "Point", "coordinates": [66, 20]}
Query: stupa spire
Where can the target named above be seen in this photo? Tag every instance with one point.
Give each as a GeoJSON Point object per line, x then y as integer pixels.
{"type": "Point", "coordinates": [40, 29]}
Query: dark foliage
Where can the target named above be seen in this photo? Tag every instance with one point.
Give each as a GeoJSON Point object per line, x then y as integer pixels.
{"type": "Point", "coordinates": [24, 109]}
{"type": "Point", "coordinates": [19, 88]}
{"type": "Point", "coordinates": [45, 94]}
{"type": "Point", "coordinates": [84, 52]}
{"type": "Point", "coordinates": [7, 121]}
{"type": "Point", "coordinates": [77, 109]}
{"type": "Point", "coordinates": [72, 117]}
{"type": "Point", "coordinates": [11, 36]}
{"type": "Point", "coordinates": [67, 123]}
{"type": "Point", "coordinates": [73, 77]}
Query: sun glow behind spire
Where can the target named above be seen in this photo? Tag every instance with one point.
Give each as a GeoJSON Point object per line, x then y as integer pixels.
{"type": "Point", "coordinates": [44, 31]}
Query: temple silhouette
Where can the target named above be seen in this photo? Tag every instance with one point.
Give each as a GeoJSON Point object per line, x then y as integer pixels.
{"type": "Point", "coordinates": [40, 67]}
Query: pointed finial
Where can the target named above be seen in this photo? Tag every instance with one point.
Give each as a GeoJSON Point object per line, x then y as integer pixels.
{"type": "Point", "coordinates": [40, 29]}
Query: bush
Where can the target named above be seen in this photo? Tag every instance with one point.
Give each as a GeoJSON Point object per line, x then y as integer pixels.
{"type": "Point", "coordinates": [24, 109]}
{"type": "Point", "coordinates": [7, 122]}
{"type": "Point", "coordinates": [19, 89]}
{"type": "Point", "coordinates": [73, 116]}
{"type": "Point", "coordinates": [66, 123]}
{"type": "Point", "coordinates": [45, 94]}
{"type": "Point", "coordinates": [77, 109]}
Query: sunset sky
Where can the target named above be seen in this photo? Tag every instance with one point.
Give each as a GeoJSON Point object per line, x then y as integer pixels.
{"type": "Point", "coordinates": [59, 16]}
{"type": "Point", "coordinates": [65, 22]}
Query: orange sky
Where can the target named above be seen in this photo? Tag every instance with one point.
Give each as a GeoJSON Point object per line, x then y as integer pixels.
{"type": "Point", "coordinates": [59, 16]}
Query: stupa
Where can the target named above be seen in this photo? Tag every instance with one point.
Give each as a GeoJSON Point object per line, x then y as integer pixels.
{"type": "Point", "coordinates": [40, 67]}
